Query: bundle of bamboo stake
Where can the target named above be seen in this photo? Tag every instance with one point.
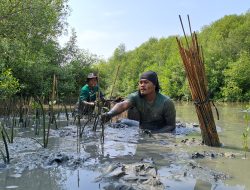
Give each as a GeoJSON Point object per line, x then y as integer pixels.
{"type": "Point", "coordinates": [193, 61]}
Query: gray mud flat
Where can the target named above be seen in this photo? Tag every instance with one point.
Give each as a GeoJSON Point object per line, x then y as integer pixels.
{"type": "Point", "coordinates": [128, 159]}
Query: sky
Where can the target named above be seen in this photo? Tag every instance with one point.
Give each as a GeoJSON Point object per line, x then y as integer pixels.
{"type": "Point", "coordinates": [102, 25]}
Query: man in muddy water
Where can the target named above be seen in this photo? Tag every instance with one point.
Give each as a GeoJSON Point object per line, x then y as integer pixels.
{"type": "Point", "coordinates": [88, 95]}
{"type": "Point", "coordinates": [156, 111]}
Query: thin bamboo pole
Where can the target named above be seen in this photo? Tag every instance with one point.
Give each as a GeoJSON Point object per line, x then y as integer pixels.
{"type": "Point", "coordinates": [6, 148]}
{"type": "Point", "coordinates": [44, 124]}
{"type": "Point", "coordinates": [113, 86]}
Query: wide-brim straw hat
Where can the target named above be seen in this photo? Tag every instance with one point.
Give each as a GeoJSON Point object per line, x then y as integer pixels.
{"type": "Point", "coordinates": [91, 76]}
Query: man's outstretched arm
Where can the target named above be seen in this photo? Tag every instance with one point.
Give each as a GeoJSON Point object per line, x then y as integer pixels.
{"type": "Point", "coordinates": [117, 109]}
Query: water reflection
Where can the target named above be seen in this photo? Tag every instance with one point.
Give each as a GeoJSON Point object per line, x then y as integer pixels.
{"type": "Point", "coordinates": [232, 125]}
{"type": "Point", "coordinates": [231, 120]}
{"type": "Point", "coordinates": [38, 179]}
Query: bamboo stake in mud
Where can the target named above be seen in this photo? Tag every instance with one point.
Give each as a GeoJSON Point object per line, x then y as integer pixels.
{"type": "Point", "coordinates": [98, 105]}
{"type": "Point", "coordinates": [78, 136]}
{"type": "Point", "coordinates": [113, 86]}
{"type": "Point", "coordinates": [12, 129]}
{"type": "Point", "coordinates": [44, 124]}
{"type": "Point", "coordinates": [21, 112]}
{"type": "Point", "coordinates": [193, 61]}
{"type": "Point", "coordinates": [102, 135]}
{"type": "Point", "coordinates": [66, 113]}
{"type": "Point", "coordinates": [6, 134]}
{"type": "Point", "coordinates": [37, 121]}
{"type": "Point", "coordinates": [53, 101]}
{"type": "Point", "coordinates": [6, 148]}
{"type": "Point", "coordinates": [26, 111]}
{"type": "Point", "coordinates": [79, 127]}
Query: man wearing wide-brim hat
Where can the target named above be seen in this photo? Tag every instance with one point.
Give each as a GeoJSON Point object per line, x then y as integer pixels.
{"type": "Point", "coordinates": [88, 94]}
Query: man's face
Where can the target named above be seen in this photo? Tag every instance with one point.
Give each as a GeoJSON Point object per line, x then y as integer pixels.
{"type": "Point", "coordinates": [92, 82]}
{"type": "Point", "coordinates": [146, 87]}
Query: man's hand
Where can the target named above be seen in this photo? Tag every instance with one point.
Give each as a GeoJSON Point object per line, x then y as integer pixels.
{"type": "Point", "coordinates": [105, 117]}
{"type": "Point", "coordinates": [98, 102]}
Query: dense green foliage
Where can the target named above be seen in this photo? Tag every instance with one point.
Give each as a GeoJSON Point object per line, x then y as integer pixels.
{"type": "Point", "coordinates": [30, 55]}
{"type": "Point", "coordinates": [8, 84]}
{"type": "Point", "coordinates": [226, 46]}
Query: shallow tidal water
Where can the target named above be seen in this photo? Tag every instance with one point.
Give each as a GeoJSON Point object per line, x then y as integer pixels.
{"type": "Point", "coordinates": [230, 127]}
{"type": "Point", "coordinates": [84, 163]}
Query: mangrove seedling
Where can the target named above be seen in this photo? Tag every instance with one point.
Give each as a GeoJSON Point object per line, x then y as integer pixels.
{"type": "Point", "coordinates": [45, 141]}
{"type": "Point", "coordinates": [35, 106]}
{"type": "Point", "coordinates": [7, 157]}
{"type": "Point", "coordinates": [246, 131]}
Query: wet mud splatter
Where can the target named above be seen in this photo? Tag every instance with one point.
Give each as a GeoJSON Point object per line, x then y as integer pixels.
{"type": "Point", "coordinates": [128, 159]}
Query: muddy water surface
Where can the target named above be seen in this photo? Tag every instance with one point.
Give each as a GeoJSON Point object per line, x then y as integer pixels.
{"type": "Point", "coordinates": [230, 126]}
{"type": "Point", "coordinates": [131, 159]}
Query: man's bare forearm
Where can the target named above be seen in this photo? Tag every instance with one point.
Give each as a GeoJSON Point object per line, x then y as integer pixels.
{"type": "Point", "coordinates": [119, 108]}
{"type": "Point", "coordinates": [88, 103]}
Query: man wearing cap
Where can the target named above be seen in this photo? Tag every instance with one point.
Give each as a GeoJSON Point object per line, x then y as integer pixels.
{"type": "Point", "coordinates": [157, 111]}
{"type": "Point", "coordinates": [88, 94]}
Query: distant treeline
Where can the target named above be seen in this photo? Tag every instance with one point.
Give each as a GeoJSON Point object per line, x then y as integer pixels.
{"type": "Point", "coordinates": [30, 56]}
{"type": "Point", "coordinates": [226, 47]}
